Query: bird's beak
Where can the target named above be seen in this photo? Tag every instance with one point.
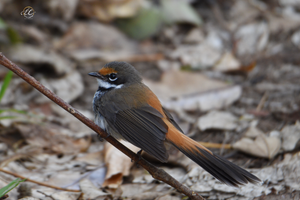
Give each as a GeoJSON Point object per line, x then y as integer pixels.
{"type": "Point", "coordinates": [96, 74]}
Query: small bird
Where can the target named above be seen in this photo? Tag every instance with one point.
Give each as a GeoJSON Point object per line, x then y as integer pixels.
{"type": "Point", "coordinates": [127, 109]}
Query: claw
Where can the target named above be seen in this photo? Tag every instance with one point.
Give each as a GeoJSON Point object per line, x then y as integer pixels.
{"type": "Point", "coordinates": [139, 154]}
{"type": "Point", "coordinates": [101, 138]}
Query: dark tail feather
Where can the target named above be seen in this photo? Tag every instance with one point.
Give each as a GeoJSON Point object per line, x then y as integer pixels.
{"type": "Point", "coordinates": [217, 166]}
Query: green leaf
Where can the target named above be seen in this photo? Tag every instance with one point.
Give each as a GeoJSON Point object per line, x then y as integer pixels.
{"type": "Point", "coordinates": [175, 11]}
{"type": "Point", "coordinates": [10, 186]}
{"type": "Point", "coordinates": [144, 25]}
{"type": "Point", "coordinates": [14, 37]}
{"type": "Point", "coordinates": [7, 117]}
{"type": "Point", "coordinates": [3, 25]}
{"type": "Point", "coordinates": [5, 84]}
{"type": "Point", "coordinates": [13, 110]}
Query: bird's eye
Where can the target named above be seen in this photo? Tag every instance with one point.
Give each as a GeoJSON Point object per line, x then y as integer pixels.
{"type": "Point", "coordinates": [113, 77]}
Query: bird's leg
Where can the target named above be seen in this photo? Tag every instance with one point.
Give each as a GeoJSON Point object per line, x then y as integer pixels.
{"type": "Point", "coordinates": [139, 154]}
{"type": "Point", "coordinates": [101, 138]}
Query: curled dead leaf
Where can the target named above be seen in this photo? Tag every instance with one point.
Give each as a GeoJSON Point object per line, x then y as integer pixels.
{"type": "Point", "coordinates": [261, 146]}
{"type": "Point", "coordinates": [117, 163]}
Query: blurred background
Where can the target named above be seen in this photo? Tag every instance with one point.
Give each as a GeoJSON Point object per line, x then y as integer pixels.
{"type": "Point", "coordinates": [227, 70]}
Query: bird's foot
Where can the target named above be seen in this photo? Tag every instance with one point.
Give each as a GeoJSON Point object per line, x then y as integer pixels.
{"type": "Point", "coordinates": [139, 154]}
{"type": "Point", "coordinates": [102, 138]}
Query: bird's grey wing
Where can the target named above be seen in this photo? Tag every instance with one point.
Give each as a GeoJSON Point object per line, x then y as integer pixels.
{"type": "Point", "coordinates": [142, 126]}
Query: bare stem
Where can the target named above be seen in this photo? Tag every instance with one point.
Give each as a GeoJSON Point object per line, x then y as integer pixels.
{"type": "Point", "coordinates": [155, 172]}
{"type": "Point", "coordinates": [37, 182]}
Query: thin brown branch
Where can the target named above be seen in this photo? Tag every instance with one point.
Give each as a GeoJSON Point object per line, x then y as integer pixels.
{"type": "Point", "coordinates": [262, 102]}
{"type": "Point", "coordinates": [37, 182]}
{"type": "Point", "coordinates": [156, 173]}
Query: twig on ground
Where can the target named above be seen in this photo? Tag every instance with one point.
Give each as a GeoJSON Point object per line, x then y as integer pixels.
{"type": "Point", "coordinates": [262, 102]}
{"type": "Point", "coordinates": [46, 195]}
{"type": "Point", "coordinates": [37, 182]}
{"type": "Point", "coordinates": [216, 145]}
{"type": "Point", "coordinates": [156, 173]}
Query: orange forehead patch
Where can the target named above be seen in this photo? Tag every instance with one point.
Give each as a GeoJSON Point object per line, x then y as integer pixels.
{"type": "Point", "coordinates": [104, 71]}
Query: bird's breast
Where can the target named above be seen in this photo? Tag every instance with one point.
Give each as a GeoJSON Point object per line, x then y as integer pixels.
{"type": "Point", "coordinates": [99, 119]}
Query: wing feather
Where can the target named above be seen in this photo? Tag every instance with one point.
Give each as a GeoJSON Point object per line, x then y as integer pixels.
{"type": "Point", "coordinates": [143, 130]}
{"type": "Point", "coordinates": [171, 119]}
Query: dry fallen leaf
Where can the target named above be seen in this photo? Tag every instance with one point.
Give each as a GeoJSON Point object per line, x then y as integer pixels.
{"type": "Point", "coordinates": [106, 11]}
{"type": "Point", "coordinates": [144, 191]}
{"type": "Point", "coordinates": [94, 47]}
{"type": "Point", "coordinates": [60, 75]}
{"type": "Point", "coordinates": [241, 13]}
{"type": "Point", "coordinates": [288, 20]}
{"type": "Point", "coordinates": [94, 158]}
{"type": "Point", "coordinates": [296, 39]}
{"type": "Point", "coordinates": [30, 198]}
{"type": "Point", "coordinates": [97, 177]}
{"type": "Point", "coordinates": [284, 174]}
{"type": "Point", "coordinates": [252, 38]}
{"type": "Point", "coordinates": [64, 178]}
{"type": "Point", "coordinates": [42, 59]}
{"type": "Point", "coordinates": [67, 87]}
{"type": "Point", "coordinates": [62, 9]}
{"type": "Point", "coordinates": [199, 56]}
{"type": "Point", "coordinates": [195, 36]}
{"type": "Point", "coordinates": [186, 83]}
{"type": "Point", "coordinates": [218, 120]}
{"type": "Point", "coordinates": [213, 99]}
{"type": "Point", "coordinates": [117, 163]}
{"type": "Point", "coordinates": [90, 191]}
{"type": "Point", "coordinates": [83, 143]}
{"type": "Point", "coordinates": [290, 136]}
{"type": "Point", "coordinates": [78, 130]}
{"type": "Point", "coordinates": [42, 192]}
{"type": "Point", "coordinates": [227, 63]}
{"type": "Point", "coordinates": [174, 11]}
{"type": "Point", "coordinates": [48, 137]}
{"type": "Point", "coordinates": [261, 145]}
{"type": "Point", "coordinates": [193, 91]}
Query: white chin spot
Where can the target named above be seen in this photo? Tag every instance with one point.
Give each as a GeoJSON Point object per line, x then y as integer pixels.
{"type": "Point", "coordinates": [107, 85]}
{"type": "Point", "coordinates": [119, 86]}
{"type": "Point", "coordinates": [104, 84]}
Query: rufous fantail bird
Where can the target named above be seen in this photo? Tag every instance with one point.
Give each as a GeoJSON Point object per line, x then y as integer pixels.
{"type": "Point", "coordinates": [127, 109]}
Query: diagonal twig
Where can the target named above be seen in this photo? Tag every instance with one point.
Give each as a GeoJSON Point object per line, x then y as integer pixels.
{"type": "Point", "coordinates": [156, 173]}
{"type": "Point", "coordinates": [37, 182]}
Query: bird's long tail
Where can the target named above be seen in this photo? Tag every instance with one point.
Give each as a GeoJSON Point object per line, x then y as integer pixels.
{"type": "Point", "coordinates": [217, 166]}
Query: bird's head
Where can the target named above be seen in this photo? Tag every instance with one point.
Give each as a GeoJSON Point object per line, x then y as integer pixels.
{"type": "Point", "coordinates": [116, 75]}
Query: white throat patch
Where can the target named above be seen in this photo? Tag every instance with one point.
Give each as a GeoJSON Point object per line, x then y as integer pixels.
{"type": "Point", "coordinates": [107, 85]}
